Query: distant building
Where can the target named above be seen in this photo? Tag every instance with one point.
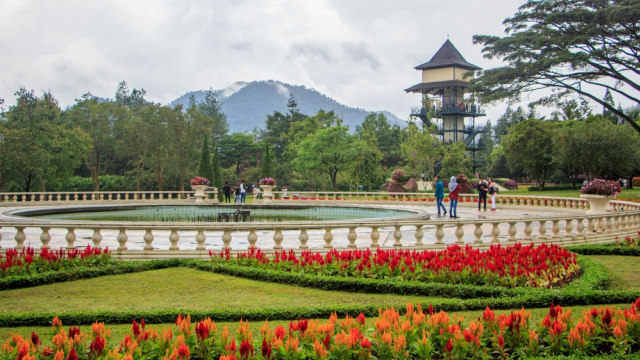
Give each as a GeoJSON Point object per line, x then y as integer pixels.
{"type": "Point", "coordinates": [446, 97]}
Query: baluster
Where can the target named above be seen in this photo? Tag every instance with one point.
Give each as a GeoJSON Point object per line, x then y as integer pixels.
{"type": "Point", "coordinates": [477, 232]}
{"type": "Point", "coordinates": [580, 228]}
{"type": "Point", "coordinates": [200, 239]}
{"type": "Point", "coordinates": [397, 236]}
{"type": "Point", "coordinates": [277, 239]}
{"type": "Point", "coordinates": [495, 233]}
{"type": "Point", "coordinates": [148, 239]}
{"type": "Point", "coordinates": [542, 229]}
{"type": "Point", "coordinates": [419, 235]}
{"type": "Point", "coordinates": [252, 238]}
{"type": "Point", "coordinates": [226, 239]}
{"type": "Point", "coordinates": [303, 238]}
{"type": "Point", "coordinates": [555, 229]}
{"type": "Point", "coordinates": [591, 226]}
{"type": "Point", "coordinates": [328, 238]}
{"type": "Point", "coordinates": [527, 231]}
{"type": "Point", "coordinates": [20, 237]}
{"type": "Point", "coordinates": [568, 228]}
{"type": "Point", "coordinates": [352, 236]}
{"type": "Point", "coordinates": [601, 224]}
{"type": "Point", "coordinates": [459, 234]}
{"type": "Point", "coordinates": [512, 231]}
{"type": "Point", "coordinates": [71, 237]}
{"type": "Point", "coordinates": [609, 224]}
{"type": "Point", "coordinates": [122, 239]}
{"type": "Point", "coordinates": [45, 237]}
{"type": "Point", "coordinates": [439, 233]}
{"type": "Point", "coordinates": [96, 238]}
{"type": "Point", "coordinates": [375, 235]}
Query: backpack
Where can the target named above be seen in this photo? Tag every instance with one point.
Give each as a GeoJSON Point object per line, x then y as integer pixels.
{"type": "Point", "coordinates": [492, 190]}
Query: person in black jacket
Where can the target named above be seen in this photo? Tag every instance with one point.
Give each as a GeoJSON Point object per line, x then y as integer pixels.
{"type": "Point", "coordinates": [226, 189]}
{"type": "Point", "coordinates": [483, 187]}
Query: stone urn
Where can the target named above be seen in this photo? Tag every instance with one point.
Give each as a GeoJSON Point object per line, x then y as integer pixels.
{"type": "Point", "coordinates": [199, 195]}
{"type": "Point", "coordinates": [267, 195]}
{"type": "Point", "coordinates": [598, 204]}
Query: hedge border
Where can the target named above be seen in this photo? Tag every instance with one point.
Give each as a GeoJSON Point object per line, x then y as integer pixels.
{"type": "Point", "coordinates": [604, 249]}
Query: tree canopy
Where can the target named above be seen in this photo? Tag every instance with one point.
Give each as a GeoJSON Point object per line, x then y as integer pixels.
{"type": "Point", "coordinates": [582, 47]}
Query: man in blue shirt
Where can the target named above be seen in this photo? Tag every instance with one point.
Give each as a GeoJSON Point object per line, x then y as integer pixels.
{"type": "Point", "coordinates": [439, 193]}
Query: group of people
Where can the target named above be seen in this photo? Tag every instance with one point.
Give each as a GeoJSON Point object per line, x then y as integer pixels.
{"type": "Point", "coordinates": [237, 192]}
{"type": "Point", "coordinates": [484, 187]}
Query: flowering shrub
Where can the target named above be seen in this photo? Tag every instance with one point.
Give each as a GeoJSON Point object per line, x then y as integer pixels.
{"type": "Point", "coordinates": [628, 241]}
{"type": "Point", "coordinates": [517, 265]}
{"type": "Point", "coordinates": [418, 334]}
{"type": "Point", "coordinates": [397, 174]}
{"type": "Point", "coordinates": [511, 184]}
{"type": "Point", "coordinates": [199, 180]}
{"type": "Point", "coordinates": [267, 181]}
{"type": "Point", "coordinates": [26, 262]}
{"type": "Point", "coordinates": [411, 185]}
{"type": "Point", "coordinates": [601, 187]}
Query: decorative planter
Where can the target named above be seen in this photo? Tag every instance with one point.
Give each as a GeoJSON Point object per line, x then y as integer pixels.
{"type": "Point", "coordinates": [267, 195]}
{"type": "Point", "coordinates": [199, 195]}
{"type": "Point", "coordinates": [598, 204]}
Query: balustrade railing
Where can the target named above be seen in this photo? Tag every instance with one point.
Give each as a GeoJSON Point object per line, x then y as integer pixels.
{"type": "Point", "coordinates": [150, 240]}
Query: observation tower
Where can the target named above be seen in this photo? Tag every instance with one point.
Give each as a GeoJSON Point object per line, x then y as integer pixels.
{"type": "Point", "coordinates": [447, 101]}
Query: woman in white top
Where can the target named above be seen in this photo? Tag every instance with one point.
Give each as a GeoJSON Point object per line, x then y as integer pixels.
{"type": "Point", "coordinates": [493, 191]}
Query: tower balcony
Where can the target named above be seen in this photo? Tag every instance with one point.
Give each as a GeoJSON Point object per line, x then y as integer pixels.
{"type": "Point", "coordinates": [463, 109]}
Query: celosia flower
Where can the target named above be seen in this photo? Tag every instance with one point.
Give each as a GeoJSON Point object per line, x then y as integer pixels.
{"type": "Point", "coordinates": [246, 349]}
{"type": "Point", "coordinates": [72, 355]}
{"type": "Point", "coordinates": [97, 346]}
{"type": "Point", "coordinates": [183, 351]}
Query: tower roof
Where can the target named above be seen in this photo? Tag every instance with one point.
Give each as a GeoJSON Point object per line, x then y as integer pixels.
{"type": "Point", "coordinates": [447, 56]}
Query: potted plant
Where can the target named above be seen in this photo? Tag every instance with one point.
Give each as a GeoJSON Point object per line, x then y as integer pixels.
{"type": "Point", "coordinates": [199, 184]}
{"type": "Point", "coordinates": [598, 193]}
{"type": "Point", "coordinates": [267, 184]}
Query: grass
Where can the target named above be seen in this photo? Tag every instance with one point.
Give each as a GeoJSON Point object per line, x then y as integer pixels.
{"type": "Point", "coordinates": [624, 271]}
{"type": "Point", "coordinates": [180, 288]}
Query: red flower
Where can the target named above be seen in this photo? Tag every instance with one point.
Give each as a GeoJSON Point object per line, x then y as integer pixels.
{"type": "Point", "coordinates": [46, 352]}
{"type": "Point", "coordinates": [245, 349]}
{"type": "Point", "coordinates": [361, 319]}
{"type": "Point", "coordinates": [135, 329]}
{"type": "Point", "coordinates": [183, 351]}
{"type": "Point", "coordinates": [448, 347]}
{"type": "Point", "coordinates": [468, 336]}
{"type": "Point", "coordinates": [500, 341]}
{"type": "Point", "coordinates": [97, 345]}
{"type": "Point", "coordinates": [202, 330]}
{"type": "Point", "coordinates": [302, 326]}
{"type": "Point", "coordinates": [72, 355]}
{"type": "Point", "coordinates": [280, 332]}
{"type": "Point", "coordinates": [73, 331]}
{"type": "Point", "coordinates": [35, 339]}
{"type": "Point", "coordinates": [365, 343]}
{"type": "Point", "coordinates": [265, 349]}
{"type": "Point", "coordinates": [430, 310]}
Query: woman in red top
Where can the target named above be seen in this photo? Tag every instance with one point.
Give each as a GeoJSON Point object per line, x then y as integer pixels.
{"type": "Point", "coordinates": [454, 191]}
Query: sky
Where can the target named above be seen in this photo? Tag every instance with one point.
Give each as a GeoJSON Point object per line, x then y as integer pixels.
{"type": "Point", "coordinates": [359, 52]}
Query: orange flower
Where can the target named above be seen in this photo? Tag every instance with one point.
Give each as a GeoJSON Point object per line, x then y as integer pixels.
{"type": "Point", "coordinates": [59, 355]}
{"type": "Point", "coordinates": [60, 339]}
{"type": "Point", "coordinates": [386, 338]}
{"type": "Point", "coordinates": [292, 344]}
{"type": "Point", "coordinates": [400, 343]}
{"type": "Point", "coordinates": [319, 349]}
{"type": "Point", "coordinates": [56, 324]}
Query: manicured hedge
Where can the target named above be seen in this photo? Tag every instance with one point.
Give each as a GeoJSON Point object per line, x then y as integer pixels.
{"type": "Point", "coordinates": [115, 267]}
{"type": "Point", "coordinates": [605, 249]}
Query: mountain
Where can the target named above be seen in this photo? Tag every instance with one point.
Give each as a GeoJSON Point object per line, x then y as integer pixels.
{"type": "Point", "coordinates": [247, 104]}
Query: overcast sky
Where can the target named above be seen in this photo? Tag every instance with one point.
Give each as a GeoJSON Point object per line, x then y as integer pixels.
{"type": "Point", "coordinates": [359, 52]}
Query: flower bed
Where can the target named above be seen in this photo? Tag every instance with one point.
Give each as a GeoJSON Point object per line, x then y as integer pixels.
{"type": "Point", "coordinates": [418, 334]}
{"type": "Point", "coordinates": [25, 262]}
{"type": "Point", "coordinates": [199, 180]}
{"type": "Point", "coordinates": [628, 241]}
{"type": "Point", "coordinates": [511, 266]}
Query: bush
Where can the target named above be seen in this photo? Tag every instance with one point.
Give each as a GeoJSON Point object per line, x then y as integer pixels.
{"type": "Point", "coordinates": [511, 184]}
{"type": "Point", "coordinates": [635, 181]}
{"type": "Point", "coordinates": [601, 187]}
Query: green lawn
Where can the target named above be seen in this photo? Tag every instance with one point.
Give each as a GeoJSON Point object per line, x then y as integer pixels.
{"type": "Point", "coordinates": [624, 271]}
{"type": "Point", "coordinates": [180, 288]}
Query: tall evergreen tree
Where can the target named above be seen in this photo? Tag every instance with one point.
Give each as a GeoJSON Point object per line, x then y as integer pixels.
{"type": "Point", "coordinates": [267, 165]}
{"type": "Point", "coordinates": [204, 167]}
{"type": "Point", "coordinates": [217, 171]}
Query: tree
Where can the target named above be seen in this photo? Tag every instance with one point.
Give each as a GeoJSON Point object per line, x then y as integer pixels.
{"type": "Point", "coordinates": [236, 150]}
{"type": "Point", "coordinates": [529, 145]}
{"type": "Point", "coordinates": [366, 170]}
{"type": "Point", "coordinates": [328, 151]}
{"type": "Point", "coordinates": [581, 47]}
{"type": "Point", "coordinates": [266, 169]}
{"type": "Point", "coordinates": [204, 166]}
{"type": "Point", "coordinates": [388, 138]}
{"type": "Point", "coordinates": [418, 151]}
{"type": "Point", "coordinates": [212, 108]}
{"type": "Point", "coordinates": [455, 161]}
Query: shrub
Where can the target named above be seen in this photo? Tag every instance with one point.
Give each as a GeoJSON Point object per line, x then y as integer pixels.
{"type": "Point", "coordinates": [601, 187]}
{"type": "Point", "coordinates": [411, 185]}
{"type": "Point", "coordinates": [511, 184]}
{"type": "Point", "coordinates": [635, 181]}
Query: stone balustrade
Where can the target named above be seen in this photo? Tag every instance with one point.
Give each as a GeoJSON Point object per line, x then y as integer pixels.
{"type": "Point", "coordinates": [142, 240]}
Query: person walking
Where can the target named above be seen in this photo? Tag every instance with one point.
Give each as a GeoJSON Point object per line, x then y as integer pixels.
{"type": "Point", "coordinates": [226, 189]}
{"type": "Point", "coordinates": [237, 195]}
{"type": "Point", "coordinates": [483, 187]}
{"type": "Point", "coordinates": [493, 191]}
{"type": "Point", "coordinates": [439, 194]}
{"type": "Point", "coordinates": [454, 191]}
{"type": "Point", "coordinates": [243, 191]}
